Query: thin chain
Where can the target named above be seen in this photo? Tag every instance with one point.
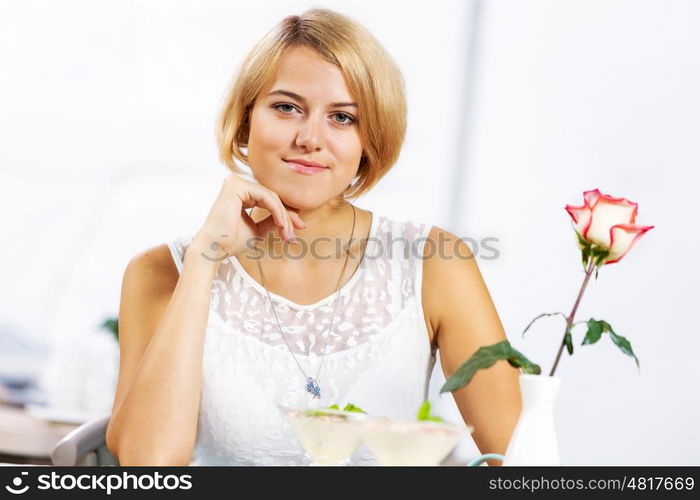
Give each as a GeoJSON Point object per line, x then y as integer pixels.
{"type": "Point", "coordinates": [325, 346]}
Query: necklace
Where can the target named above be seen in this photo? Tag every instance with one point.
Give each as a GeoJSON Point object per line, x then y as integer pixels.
{"type": "Point", "coordinates": [313, 383]}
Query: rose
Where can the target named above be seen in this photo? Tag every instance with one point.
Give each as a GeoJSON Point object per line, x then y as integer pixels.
{"type": "Point", "coordinates": [605, 226]}
{"type": "Point", "coordinates": [606, 230]}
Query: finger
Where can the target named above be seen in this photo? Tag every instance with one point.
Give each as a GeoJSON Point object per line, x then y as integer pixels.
{"type": "Point", "coordinates": [289, 227]}
{"type": "Point", "coordinates": [267, 225]}
{"type": "Point", "coordinates": [266, 199]}
{"type": "Point", "coordinates": [270, 200]}
{"type": "Point", "coordinates": [294, 217]}
{"type": "Point", "coordinates": [296, 220]}
{"type": "Point", "coordinates": [286, 231]}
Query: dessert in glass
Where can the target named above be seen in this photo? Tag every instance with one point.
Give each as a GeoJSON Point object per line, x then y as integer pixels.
{"type": "Point", "coordinates": [417, 442]}
{"type": "Point", "coordinates": [328, 436]}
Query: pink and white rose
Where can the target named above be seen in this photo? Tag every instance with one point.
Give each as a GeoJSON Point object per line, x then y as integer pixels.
{"type": "Point", "coordinates": [607, 223]}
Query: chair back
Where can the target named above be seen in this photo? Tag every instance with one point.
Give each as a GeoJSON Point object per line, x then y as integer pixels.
{"type": "Point", "coordinates": [85, 446]}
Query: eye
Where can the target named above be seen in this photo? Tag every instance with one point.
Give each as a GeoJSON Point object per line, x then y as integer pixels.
{"type": "Point", "coordinates": [281, 105]}
{"type": "Point", "coordinates": [349, 120]}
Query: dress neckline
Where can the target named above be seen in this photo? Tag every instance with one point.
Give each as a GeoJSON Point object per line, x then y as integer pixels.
{"type": "Point", "coordinates": [284, 300]}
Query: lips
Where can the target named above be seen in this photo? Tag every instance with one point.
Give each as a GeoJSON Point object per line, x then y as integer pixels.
{"type": "Point", "coordinates": [306, 163]}
{"type": "Point", "coordinates": [304, 167]}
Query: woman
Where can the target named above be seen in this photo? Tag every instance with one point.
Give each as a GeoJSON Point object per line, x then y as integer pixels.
{"type": "Point", "coordinates": [218, 329]}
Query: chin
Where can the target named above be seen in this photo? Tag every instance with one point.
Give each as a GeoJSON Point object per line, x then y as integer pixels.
{"type": "Point", "coordinates": [299, 201]}
{"type": "Point", "coordinates": [300, 196]}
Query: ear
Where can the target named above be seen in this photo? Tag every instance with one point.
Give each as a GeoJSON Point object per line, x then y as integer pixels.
{"type": "Point", "coordinates": [243, 134]}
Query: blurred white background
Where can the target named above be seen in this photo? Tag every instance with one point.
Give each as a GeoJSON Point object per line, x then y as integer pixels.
{"type": "Point", "coordinates": [107, 111]}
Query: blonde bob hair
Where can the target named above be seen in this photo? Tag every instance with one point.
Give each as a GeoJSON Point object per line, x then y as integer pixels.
{"type": "Point", "coordinates": [370, 73]}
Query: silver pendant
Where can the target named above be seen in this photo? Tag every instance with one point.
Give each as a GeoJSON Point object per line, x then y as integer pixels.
{"type": "Point", "coordinates": [313, 387]}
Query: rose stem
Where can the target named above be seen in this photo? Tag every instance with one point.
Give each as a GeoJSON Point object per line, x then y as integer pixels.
{"type": "Point", "coordinates": [570, 319]}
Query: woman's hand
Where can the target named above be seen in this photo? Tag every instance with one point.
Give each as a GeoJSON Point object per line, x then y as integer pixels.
{"type": "Point", "coordinates": [228, 226]}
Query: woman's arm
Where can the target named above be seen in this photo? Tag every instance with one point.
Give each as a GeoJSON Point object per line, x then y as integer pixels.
{"type": "Point", "coordinates": [459, 308]}
{"type": "Point", "coordinates": [162, 322]}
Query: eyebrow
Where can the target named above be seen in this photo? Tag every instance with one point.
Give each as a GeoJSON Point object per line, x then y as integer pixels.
{"type": "Point", "coordinates": [302, 100]}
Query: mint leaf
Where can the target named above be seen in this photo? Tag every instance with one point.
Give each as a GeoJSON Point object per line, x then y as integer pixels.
{"type": "Point", "coordinates": [321, 413]}
{"type": "Point", "coordinates": [348, 407]}
{"type": "Point", "coordinates": [424, 413]}
{"type": "Point", "coordinates": [352, 407]}
{"type": "Point", "coordinates": [424, 410]}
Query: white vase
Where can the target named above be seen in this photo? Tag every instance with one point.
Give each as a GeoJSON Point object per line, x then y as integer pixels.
{"type": "Point", "coordinates": [534, 440]}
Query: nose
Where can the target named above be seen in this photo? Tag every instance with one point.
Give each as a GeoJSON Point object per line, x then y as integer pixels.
{"type": "Point", "coordinates": [310, 134]}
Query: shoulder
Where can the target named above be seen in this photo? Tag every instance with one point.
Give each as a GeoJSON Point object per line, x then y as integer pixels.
{"type": "Point", "coordinates": [152, 271]}
{"type": "Point", "coordinates": [449, 269]}
{"type": "Point", "coordinates": [444, 247]}
{"type": "Point", "coordinates": [445, 255]}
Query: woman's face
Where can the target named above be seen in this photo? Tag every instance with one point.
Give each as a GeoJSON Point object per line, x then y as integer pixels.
{"type": "Point", "coordinates": [317, 124]}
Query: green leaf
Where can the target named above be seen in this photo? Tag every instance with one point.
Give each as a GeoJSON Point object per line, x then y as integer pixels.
{"type": "Point", "coordinates": [323, 412]}
{"type": "Point", "coordinates": [424, 410]}
{"type": "Point", "coordinates": [597, 327]}
{"type": "Point", "coordinates": [585, 249]}
{"type": "Point", "coordinates": [585, 255]}
{"type": "Point", "coordinates": [622, 343]}
{"type": "Point", "coordinates": [352, 407]}
{"type": "Point", "coordinates": [541, 316]}
{"type": "Point", "coordinates": [599, 255]}
{"type": "Point", "coordinates": [484, 358]}
{"type": "Point", "coordinates": [112, 325]}
{"type": "Point", "coordinates": [595, 330]}
{"type": "Point", "coordinates": [424, 413]}
{"type": "Point", "coordinates": [320, 411]}
{"type": "Point", "coordinates": [569, 343]}
{"type": "Point", "coordinates": [582, 241]}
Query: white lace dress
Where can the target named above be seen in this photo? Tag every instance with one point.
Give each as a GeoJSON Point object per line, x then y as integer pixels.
{"type": "Point", "coordinates": [378, 355]}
